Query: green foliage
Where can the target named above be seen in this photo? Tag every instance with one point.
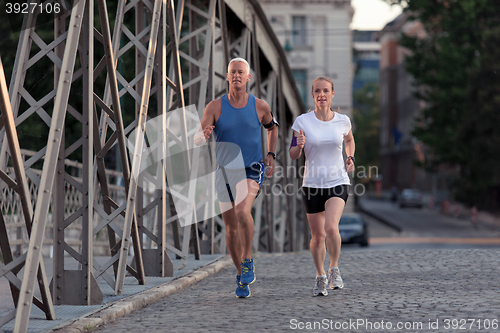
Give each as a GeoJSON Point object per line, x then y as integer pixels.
{"type": "Point", "coordinates": [480, 173]}
{"type": "Point", "coordinates": [366, 118]}
{"type": "Point", "coordinates": [454, 68]}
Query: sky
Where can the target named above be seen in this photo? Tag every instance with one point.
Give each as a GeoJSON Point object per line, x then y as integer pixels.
{"type": "Point", "coordinates": [372, 14]}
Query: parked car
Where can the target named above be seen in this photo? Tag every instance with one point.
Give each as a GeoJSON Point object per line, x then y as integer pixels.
{"type": "Point", "coordinates": [411, 197]}
{"type": "Point", "coordinates": [353, 229]}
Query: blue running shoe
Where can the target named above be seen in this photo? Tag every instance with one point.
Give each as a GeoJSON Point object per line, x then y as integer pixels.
{"type": "Point", "coordinates": [241, 290]}
{"type": "Point", "coordinates": [247, 272]}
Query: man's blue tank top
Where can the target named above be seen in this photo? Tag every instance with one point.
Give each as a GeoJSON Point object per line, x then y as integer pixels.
{"type": "Point", "coordinates": [238, 129]}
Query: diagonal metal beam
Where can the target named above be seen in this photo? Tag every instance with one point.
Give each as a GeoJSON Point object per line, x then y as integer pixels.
{"type": "Point", "coordinates": [48, 172]}
{"type": "Point", "coordinates": [137, 155]}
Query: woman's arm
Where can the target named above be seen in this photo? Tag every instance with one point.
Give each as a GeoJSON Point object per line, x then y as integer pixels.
{"type": "Point", "coordinates": [298, 141]}
{"type": "Point", "coordinates": [350, 147]}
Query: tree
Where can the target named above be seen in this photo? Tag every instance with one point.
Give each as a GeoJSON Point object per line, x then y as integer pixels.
{"type": "Point", "coordinates": [366, 116]}
{"type": "Point", "coordinates": [449, 66]}
{"type": "Point", "coordinates": [480, 175]}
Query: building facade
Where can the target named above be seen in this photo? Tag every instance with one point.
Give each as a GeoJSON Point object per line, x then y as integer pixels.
{"type": "Point", "coordinates": [366, 58]}
{"type": "Point", "coordinates": [318, 42]}
{"type": "Point", "coordinates": [398, 111]}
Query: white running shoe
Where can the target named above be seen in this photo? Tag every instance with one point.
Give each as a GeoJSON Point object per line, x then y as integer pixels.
{"type": "Point", "coordinates": [335, 279]}
{"type": "Point", "coordinates": [320, 286]}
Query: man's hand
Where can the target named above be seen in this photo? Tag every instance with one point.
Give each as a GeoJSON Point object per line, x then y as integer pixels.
{"type": "Point", "coordinates": [270, 164]}
{"type": "Point", "coordinates": [202, 136]}
{"type": "Point", "coordinates": [207, 131]}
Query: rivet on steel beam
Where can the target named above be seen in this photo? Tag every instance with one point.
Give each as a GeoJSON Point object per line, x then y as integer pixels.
{"type": "Point", "coordinates": [58, 242]}
{"type": "Point", "coordinates": [58, 275]}
{"type": "Point", "coordinates": [58, 297]}
{"type": "Point", "coordinates": [59, 228]}
{"type": "Point", "coordinates": [36, 247]}
{"type": "Point", "coordinates": [58, 287]}
{"type": "Point", "coordinates": [26, 303]}
{"type": "Point", "coordinates": [28, 291]}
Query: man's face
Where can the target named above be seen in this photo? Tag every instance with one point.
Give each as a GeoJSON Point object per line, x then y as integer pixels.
{"type": "Point", "coordinates": [238, 75]}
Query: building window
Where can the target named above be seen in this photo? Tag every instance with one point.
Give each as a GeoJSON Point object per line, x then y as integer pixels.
{"type": "Point", "coordinates": [299, 30]}
{"type": "Point", "coordinates": [300, 76]}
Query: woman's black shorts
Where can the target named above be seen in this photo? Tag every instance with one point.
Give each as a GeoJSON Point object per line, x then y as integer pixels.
{"type": "Point", "coordinates": [315, 198]}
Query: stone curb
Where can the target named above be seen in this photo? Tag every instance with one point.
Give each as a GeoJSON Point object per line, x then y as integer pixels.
{"type": "Point", "coordinates": [135, 302]}
{"type": "Point", "coordinates": [379, 218]}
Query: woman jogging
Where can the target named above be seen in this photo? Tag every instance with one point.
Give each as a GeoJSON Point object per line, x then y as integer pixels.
{"type": "Point", "coordinates": [320, 133]}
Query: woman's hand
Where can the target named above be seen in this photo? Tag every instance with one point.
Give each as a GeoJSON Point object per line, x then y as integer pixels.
{"type": "Point", "coordinates": [301, 140]}
{"type": "Point", "coordinates": [349, 165]}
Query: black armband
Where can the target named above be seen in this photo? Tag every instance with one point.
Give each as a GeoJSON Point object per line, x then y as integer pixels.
{"type": "Point", "coordinates": [271, 123]}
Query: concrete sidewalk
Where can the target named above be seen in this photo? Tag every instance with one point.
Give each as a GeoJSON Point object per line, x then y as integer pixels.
{"type": "Point", "coordinates": [76, 318]}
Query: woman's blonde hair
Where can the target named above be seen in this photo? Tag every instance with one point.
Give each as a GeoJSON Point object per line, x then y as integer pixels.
{"type": "Point", "coordinates": [327, 79]}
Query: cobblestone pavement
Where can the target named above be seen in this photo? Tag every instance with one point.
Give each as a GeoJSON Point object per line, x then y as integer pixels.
{"type": "Point", "coordinates": [434, 290]}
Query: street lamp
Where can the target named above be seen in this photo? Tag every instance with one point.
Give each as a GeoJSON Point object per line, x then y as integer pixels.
{"type": "Point", "coordinates": [287, 47]}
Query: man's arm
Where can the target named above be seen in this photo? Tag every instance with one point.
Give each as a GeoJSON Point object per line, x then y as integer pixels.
{"type": "Point", "coordinates": [271, 126]}
{"type": "Point", "coordinates": [207, 123]}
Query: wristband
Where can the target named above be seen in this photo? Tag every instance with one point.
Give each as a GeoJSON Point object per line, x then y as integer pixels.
{"type": "Point", "coordinates": [353, 159]}
{"type": "Point", "coordinates": [272, 154]}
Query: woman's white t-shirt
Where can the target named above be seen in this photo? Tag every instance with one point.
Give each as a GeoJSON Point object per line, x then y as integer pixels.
{"type": "Point", "coordinates": [325, 167]}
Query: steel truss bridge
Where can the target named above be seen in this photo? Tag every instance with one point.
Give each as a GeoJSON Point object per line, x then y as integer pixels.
{"type": "Point", "coordinates": [114, 73]}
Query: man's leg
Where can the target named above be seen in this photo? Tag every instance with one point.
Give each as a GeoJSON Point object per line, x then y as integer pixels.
{"type": "Point", "coordinates": [246, 191]}
{"type": "Point", "coordinates": [233, 233]}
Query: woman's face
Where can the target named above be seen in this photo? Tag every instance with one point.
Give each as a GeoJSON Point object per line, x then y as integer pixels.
{"type": "Point", "coordinates": [322, 93]}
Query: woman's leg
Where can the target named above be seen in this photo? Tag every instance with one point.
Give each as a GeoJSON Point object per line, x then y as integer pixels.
{"type": "Point", "coordinates": [317, 244]}
{"type": "Point", "coordinates": [334, 208]}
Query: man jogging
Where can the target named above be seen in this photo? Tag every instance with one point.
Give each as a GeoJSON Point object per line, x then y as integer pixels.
{"type": "Point", "coordinates": [235, 120]}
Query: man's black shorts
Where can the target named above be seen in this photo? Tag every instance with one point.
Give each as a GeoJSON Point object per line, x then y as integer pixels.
{"type": "Point", "coordinates": [315, 198]}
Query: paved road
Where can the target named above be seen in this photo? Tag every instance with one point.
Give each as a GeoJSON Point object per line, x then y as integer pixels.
{"type": "Point", "coordinates": [383, 289]}
{"type": "Point", "coordinates": [427, 222]}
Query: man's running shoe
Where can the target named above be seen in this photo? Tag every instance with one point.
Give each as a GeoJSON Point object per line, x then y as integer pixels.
{"type": "Point", "coordinates": [335, 279]}
{"type": "Point", "coordinates": [320, 286]}
{"type": "Point", "coordinates": [242, 291]}
{"type": "Point", "coordinates": [247, 272]}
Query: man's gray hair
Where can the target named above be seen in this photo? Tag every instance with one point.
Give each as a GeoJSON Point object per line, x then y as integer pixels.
{"type": "Point", "coordinates": [239, 60]}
